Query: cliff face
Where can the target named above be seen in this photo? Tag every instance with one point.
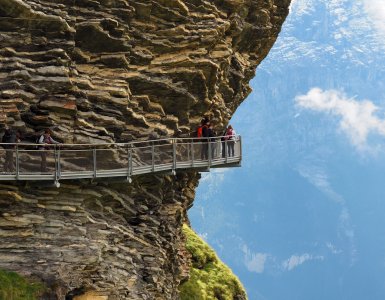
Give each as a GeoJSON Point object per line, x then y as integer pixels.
{"type": "Point", "coordinates": [118, 70]}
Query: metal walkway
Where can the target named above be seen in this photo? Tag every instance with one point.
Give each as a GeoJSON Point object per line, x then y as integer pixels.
{"type": "Point", "coordinates": [78, 161]}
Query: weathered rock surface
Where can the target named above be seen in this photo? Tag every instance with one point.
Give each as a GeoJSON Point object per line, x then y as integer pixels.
{"type": "Point", "coordinates": [118, 70]}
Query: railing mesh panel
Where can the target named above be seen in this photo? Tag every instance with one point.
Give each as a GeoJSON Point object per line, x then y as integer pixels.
{"type": "Point", "coordinates": [76, 161]}
{"type": "Point", "coordinates": [141, 156]}
{"type": "Point", "coordinates": [37, 162]}
{"type": "Point", "coordinates": [111, 159]}
{"type": "Point", "coordinates": [8, 161]}
{"type": "Point", "coordinates": [163, 154]}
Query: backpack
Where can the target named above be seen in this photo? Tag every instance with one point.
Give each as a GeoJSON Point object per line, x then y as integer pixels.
{"type": "Point", "coordinates": [37, 142]}
{"type": "Point", "coordinates": [5, 138]}
{"type": "Point", "coordinates": [199, 131]}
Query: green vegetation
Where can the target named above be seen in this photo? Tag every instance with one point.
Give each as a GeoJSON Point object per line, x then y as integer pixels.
{"type": "Point", "coordinates": [15, 287]}
{"type": "Point", "coordinates": [210, 279]}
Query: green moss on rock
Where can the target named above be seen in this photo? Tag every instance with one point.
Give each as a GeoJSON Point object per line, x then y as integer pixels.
{"type": "Point", "coordinates": [209, 277]}
{"type": "Point", "coordinates": [15, 287]}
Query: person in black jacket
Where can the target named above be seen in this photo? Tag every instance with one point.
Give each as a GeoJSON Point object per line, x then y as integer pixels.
{"type": "Point", "coordinates": [212, 139]}
{"type": "Point", "coordinates": [223, 143]}
{"type": "Point", "coordinates": [9, 137]}
{"type": "Point", "coordinates": [205, 140]}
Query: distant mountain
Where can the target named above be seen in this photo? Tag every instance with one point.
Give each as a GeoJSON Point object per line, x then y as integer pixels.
{"type": "Point", "coordinates": [322, 31]}
{"type": "Point", "coordinates": [335, 41]}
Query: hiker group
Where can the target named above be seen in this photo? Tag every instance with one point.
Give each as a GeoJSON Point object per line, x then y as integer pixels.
{"type": "Point", "coordinates": [11, 138]}
{"type": "Point", "coordinates": [210, 140]}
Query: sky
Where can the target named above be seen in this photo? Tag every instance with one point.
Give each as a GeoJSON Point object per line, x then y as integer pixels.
{"type": "Point", "coordinates": [303, 218]}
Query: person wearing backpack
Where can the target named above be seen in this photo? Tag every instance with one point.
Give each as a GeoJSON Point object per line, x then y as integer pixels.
{"type": "Point", "coordinates": [204, 136]}
{"type": "Point", "coordinates": [9, 137]}
{"type": "Point", "coordinates": [44, 140]}
{"type": "Point", "coordinates": [230, 138]}
{"type": "Point", "coordinates": [199, 131]}
{"type": "Point", "coordinates": [212, 139]}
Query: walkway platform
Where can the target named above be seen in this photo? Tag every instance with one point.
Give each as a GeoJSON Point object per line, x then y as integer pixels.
{"type": "Point", "coordinates": [79, 161]}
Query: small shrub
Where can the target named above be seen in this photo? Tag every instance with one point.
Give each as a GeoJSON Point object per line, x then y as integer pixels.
{"type": "Point", "coordinates": [15, 287]}
{"type": "Point", "coordinates": [210, 279]}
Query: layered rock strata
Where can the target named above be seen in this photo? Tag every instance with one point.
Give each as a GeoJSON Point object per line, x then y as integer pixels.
{"type": "Point", "coordinates": [116, 71]}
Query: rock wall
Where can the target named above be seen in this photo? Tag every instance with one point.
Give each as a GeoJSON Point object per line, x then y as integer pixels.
{"type": "Point", "coordinates": [118, 70]}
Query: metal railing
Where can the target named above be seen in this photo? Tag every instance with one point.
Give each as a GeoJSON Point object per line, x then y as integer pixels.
{"type": "Point", "coordinates": [76, 161]}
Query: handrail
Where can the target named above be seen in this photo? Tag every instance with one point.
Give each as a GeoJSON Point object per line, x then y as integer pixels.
{"type": "Point", "coordinates": [78, 161]}
{"type": "Point", "coordinates": [237, 137]}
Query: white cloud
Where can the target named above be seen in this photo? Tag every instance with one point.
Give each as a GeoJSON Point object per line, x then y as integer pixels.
{"type": "Point", "coordinates": [301, 7]}
{"type": "Point", "coordinates": [257, 262]}
{"type": "Point", "coordinates": [320, 179]}
{"type": "Point", "coordinates": [376, 12]}
{"type": "Point", "coordinates": [358, 118]}
{"type": "Point", "coordinates": [333, 249]}
{"type": "Point", "coordinates": [296, 260]}
{"type": "Point", "coordinates": [348, 232]}
{"type": "Point", "coordinates": [254, 262]}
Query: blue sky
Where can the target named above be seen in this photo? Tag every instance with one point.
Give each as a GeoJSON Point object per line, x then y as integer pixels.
{"type": "Point", "coordinates": [304, 216]}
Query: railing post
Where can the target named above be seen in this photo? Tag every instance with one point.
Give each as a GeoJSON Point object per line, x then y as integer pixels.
{"type": "Point", "coordinates": [173, 155]}
{"type": "Point", "coordinates": [152, 157]}
{"type": "Point", "coordinates": [128, 162]}
{"type": "Point", "coordinates": [94, 160]}
{"type": "Point", "coordinates": [17, 163]}
{"type": "Point", "coordinates": [240, 147]}
{"type": "Point", "coordinates": [188, 152]}
{"type": "Point", "coordinates": [58, 163]}
{"type": "Point", "coordinates": [209, 149]}
{"type": "Point", "coordinates": [131, 165]}
{"type": "Point", "coordinates": [55, 156]}
{"type": "Point", "coordinates": [192, 152]}
{"type": "Point", "coordinates": [226, 154]}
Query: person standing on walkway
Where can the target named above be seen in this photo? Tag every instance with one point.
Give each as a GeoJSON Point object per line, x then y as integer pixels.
{"type": "Point", "coordinates": [230, 137]}
{"type": "Point", "coordinates": [212, 139]}
{"type": "Point", "coordinates": [204, 136]}
{"type": "Point", "coordinates": [9, 137]}
{"type": "Point", "coordinates": [223, 143]}
{"type": "Point", "coordinates": [45, 139]}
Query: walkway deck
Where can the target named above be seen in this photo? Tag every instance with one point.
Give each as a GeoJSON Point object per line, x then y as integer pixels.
{"type": "Point", "coordinates": [79, 161]}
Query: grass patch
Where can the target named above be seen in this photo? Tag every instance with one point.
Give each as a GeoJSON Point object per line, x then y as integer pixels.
{"type": "Point", "coordinates": [210, 279]}
{"type": "Point", "coordinates": [15, 287]}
